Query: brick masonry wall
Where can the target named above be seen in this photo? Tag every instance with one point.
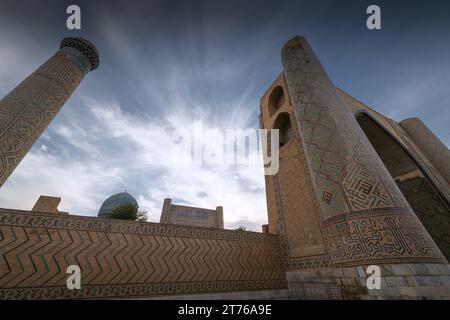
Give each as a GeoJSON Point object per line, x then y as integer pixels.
{"type": "Point", "coordinates": [434, 149]}
{"type": "Point", "coordinates": [431, 210]}
{"type": "Point", "coordinates": [371, 226]}
{"type": "Point", "coordinates": [29, 108]}
{"type": "Point", "coordinates": [317, 283]}
{"type": "Point", "coordinates": [130, 259]}
{"type": "Point", "coordinates": [399, 281]}
{"type": "Point", "coordinates": [292, 208]}
{"type": "Point", "coordinates": [404, 140]}
{"type": "Point", "coordinates": [364, 214]}
{"type": "Point", "coordinates": [428, 196]}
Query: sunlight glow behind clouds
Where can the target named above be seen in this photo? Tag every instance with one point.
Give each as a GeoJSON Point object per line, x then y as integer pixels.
{"type": "Point", "coordinates": [198, 185]}
{"type": "Point", "coordinates": [140, 162]}
{"type": "Point", "coordinates": [164, 66]}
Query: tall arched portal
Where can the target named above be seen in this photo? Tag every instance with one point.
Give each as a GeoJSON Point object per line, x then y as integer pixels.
{"type": "Point", "coordinates": [335, 203]}
{"type": "Point", "coordinates": [423, 197]}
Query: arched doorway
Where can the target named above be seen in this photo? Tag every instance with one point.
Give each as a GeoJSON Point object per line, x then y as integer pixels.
{"type": "Point", "coordinates": [276, 99]}
{"type": "Point", "coordinates": [432, 209]}
{"type": "Point", "coordinates": [283, 124]}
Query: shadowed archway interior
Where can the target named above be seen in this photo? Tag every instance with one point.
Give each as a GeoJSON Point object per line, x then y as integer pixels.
{"type": "Point", "coordinates": [283, 123]}
{"type": "Point", "coordinates": [432, 210]}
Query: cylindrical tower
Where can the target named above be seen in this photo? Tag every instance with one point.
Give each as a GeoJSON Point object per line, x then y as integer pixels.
{"type": "Point", "coordinates": [219, 217]}
{"type": "Point", "coordinates": [166, 209]}
{"type": "Point", "coordinates": [429, 144]}
{"type": "Point", "coordinates": [29, 108]}
{"type": "Point", "coordinates": [364, 216]}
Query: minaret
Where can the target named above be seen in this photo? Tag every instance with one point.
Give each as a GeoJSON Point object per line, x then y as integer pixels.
{"type": "Point", "coordinates": [364, 214]}
{"type": "Point", "coordinates": [333, 203]}
{"type": "Point", "coordinates": [29, 108]}
{"type": "Point", "coordinates": [433, 148]}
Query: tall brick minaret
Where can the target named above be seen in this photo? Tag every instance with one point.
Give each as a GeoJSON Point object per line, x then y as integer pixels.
{"type": "Point", "coordinates": [29, 108]}
{"type": "Point", "coordinates": [333, 202]}
{"type": "Point", "coordinates": [357, 196]}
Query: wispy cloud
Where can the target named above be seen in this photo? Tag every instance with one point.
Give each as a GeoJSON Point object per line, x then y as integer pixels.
{"type": "Point", "coordinates": [118, 150]}
{"type": "Point", "coordinates": [148, 153]}
{"type": "Point", "coordinates": [165, 66]}
{"type": "Point", "coordinates": [78, 184]}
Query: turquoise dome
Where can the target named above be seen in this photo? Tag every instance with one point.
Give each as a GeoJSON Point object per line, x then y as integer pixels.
{"type": "Point", "coordinates": [116, 200]}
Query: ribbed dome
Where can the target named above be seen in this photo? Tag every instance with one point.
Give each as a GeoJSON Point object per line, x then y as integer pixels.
{"type": "Point", "coordinates": [115, 201]}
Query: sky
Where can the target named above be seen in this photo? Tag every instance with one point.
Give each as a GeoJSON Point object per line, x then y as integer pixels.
{"type": "Point", "coordinates": [165, 65]}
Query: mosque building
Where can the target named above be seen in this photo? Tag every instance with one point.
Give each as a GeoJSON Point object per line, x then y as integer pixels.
{"type": "Point", "coordinates": [115, 201]}
{"type": "Point", "coordinates": [354, 190]}
{"type": "Point", "coordinates": [191, 216]}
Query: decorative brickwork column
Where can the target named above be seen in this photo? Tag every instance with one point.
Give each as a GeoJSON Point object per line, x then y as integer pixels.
{"type": "Point", "coordinates": [165, 214]}
{"type": "Point", "coordinates": [365, 218]}
{"type": "Point", "coordinates": [219, 217]}
{"type": "Point", "coordinates": [429, 144]}
{"type": "Point", "coordinates": [27, 110]}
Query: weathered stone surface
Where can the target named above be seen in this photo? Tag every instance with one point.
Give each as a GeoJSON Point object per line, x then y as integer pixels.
{"type": "Point", "coordinates": [28, 109]}
{"type": "Point", "coordinates": [354, 188]}
{"type": "Point", "coordinates": [429, 144]}
{"type": "Point", "coordinates": [120, 259]}
{"type": "Point", "coordinates": [334, 207]}
{"type": "Point", "coordinates": [191, 216]}
{"type": "Point", "coordinates": [345, 191]}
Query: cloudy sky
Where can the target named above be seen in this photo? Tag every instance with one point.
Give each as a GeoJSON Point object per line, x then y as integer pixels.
{"type": "Point", "coordinates": [166, 64]}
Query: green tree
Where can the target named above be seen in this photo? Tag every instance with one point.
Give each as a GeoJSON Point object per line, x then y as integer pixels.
{"type": "Point", "coordinates": [241, 228]}
{"type": "Point", "coordinates": [125, 212]}
{"type": "Point", "coordinates": [142, 216]}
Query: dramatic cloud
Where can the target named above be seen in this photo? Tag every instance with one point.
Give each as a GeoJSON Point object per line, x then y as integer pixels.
{"type": "Point", "coordinates": [166, 65]}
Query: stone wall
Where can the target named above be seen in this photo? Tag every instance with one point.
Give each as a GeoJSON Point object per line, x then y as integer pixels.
{"type": "Point", "coordinates": [431, 210]}
{"type": "Point", "coordinates": [293, 211]}
{"type": "Point", "coordinates": [28, 109]}
{"type": "Point", "coordinates": [397, 133]}
{"type": "Point", "coordinates": [130, 259]}
{"type": "Point", "coordinates": [434, 149]}
{"type": "Point", "coordinates": [420, 182]}
{"type": "Point", "coordinates": [398, 281]}
{"type": "Point", "coordinates": [191, 216]}
{"type": "Point", "coordinates": [334, 203]}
